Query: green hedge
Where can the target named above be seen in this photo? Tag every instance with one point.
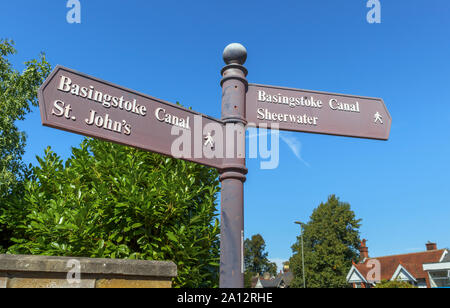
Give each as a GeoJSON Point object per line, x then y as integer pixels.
{"type": "Point", "coordinates": [112, 201]}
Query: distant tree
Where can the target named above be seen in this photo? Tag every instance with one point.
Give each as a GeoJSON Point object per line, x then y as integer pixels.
{"type": "Point", "coordinates": [331, 242]}
{"type": "Point", "coordinates": [255, 258]}
{"type": "Point", "coordinates": [18, 92]}
{"type": "Point", "coordinates": [395, 284]}
{"type": "Point", "coordinates": [248, 277]}
{"type": "Point", "coordinates": [271, 268]}
{"type": "Point", "coordinates": [113, 201]}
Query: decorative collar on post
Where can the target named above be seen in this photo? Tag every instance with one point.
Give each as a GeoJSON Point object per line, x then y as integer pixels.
{"type": "Point", "coordinates": [234, 56]}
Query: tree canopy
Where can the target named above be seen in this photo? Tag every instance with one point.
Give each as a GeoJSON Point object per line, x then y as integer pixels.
{"type": "Point", "coordinates": [255, 258]}
{"type": "Point", "coordinates": [331, 242]}
{"type": "Point", "coordinates": [18, 93]}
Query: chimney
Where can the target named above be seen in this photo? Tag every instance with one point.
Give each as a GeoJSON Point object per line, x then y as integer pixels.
{"type": "Point", "coordinates": [431, 246]}
{"type": "Point", "coordinates": [363, 250]}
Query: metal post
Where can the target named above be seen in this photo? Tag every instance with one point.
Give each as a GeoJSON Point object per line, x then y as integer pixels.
{"type": "Point", "coordinates": [232, 175]}
{"type": "Point", "coordinates": [303, 257]}
{"type": "Point", "coordinates": [303, 254]}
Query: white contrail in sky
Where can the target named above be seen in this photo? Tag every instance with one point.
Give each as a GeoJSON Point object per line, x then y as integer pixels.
{"type": "Point", "coordinates": [295, 145]}
{"type": "Point", "coordinates": [292, 142]}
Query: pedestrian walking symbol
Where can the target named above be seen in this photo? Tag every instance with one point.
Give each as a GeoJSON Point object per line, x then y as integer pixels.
{"type": "Point", "coordinates": [378, 117]}
{"type": "Point", "coordinates": [209, 141]}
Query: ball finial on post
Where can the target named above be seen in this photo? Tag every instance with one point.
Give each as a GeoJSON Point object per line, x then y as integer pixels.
{"type": "Point", "coordinates": [235, 53]}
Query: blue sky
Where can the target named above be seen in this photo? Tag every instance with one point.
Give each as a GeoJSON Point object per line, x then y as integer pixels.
{"type": "Point", "coordinates": [172, 50]}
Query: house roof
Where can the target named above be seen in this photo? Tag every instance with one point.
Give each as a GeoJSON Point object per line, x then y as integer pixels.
{"type": "Point", "coordinates": [284, 277]}
{"type": "Point", "coordinates": [412, 262]}
{"type": "Point", "coordinates": [253, 282]}
{"type": "Point", "coordinates": [275, 283]}
{"type": "Point", "coordinates": [268, 283]}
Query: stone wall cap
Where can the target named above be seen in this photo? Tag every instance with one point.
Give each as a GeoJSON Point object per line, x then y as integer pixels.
{"type": "Point", "coordinates": [47, 264]}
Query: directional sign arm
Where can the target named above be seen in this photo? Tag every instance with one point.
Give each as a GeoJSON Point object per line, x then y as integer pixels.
{"type": "Point", "coordinates": [318, 112]}
{"type": "Point", "coordinates": [85, 105]}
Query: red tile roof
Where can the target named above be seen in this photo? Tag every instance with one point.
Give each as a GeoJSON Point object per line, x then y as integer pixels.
{"type": "Point", "coordinates": [412, 262]}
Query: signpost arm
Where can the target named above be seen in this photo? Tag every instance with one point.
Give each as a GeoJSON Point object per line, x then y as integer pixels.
{"type": "Point", "coordinates": [232, 175]}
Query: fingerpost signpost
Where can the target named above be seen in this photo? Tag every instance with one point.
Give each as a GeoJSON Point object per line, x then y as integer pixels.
{"type": "Point", "coordinates": [85, 105]}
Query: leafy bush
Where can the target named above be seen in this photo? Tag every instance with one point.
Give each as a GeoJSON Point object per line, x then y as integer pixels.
{"type": "Point", "coordinates": [112, 201]}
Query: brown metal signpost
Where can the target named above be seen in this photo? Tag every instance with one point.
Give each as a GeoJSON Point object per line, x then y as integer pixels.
{"type": "Point", "coordinates": [85, 105]}
{"type": "Point", "coordinates": [234, 86]}
{"type": "Point", "coordinates": [318, 112]}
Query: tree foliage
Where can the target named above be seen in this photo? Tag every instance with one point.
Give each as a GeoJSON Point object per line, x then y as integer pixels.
{"type": "Point", "coordinates": [394, 284]}
{"type": "Point", "coordinates": [255, 258]}
{"type": "Point", "coordinates": [112, 201]}
{"type": "Point", "coordinates": [331, 242]}
{"type": "Point", "coordinates": [18, 92]}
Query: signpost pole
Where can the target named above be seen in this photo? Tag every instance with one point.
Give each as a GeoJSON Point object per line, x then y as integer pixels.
{"type": "Point", "coordinates": [232, 174]}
